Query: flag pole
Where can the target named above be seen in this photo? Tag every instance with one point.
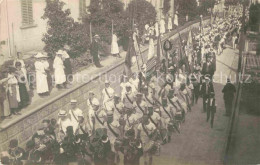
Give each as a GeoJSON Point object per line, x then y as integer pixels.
{"type": "Point", "coordinates": [90, 29]}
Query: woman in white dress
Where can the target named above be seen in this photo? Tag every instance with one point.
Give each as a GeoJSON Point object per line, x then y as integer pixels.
{"type": "Point", "coordinates": [170, 24]}
{"type": "Point", "coordinates": [176, 22]}
{"type": "Point", "coordinates": [114, 46]}
{"type": "Point", "coordinates": [41, 66]}
{"type": "Point", "coordinates": [156, 26]}
{"type": "Point", "coordinates": [59, 73]}
{"type": "Point", "coordinates": [162, 26]}
{"type": "Point", "coordinates": [151, 43]}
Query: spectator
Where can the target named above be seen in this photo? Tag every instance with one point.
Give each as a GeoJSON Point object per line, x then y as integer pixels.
{"type": "Point", "coordinates": [229, 90]}
{"type": "Point", "coordinates": [94, 51]}
{"type": "Point", "coordinates": [67, 65]}
{"type": "Point", "coordinates": [13, 92]}
{"type": "Point", "coordinates": [59, 73]}
{"type": "Point", "coordinates": [41, 68]}
{"type": "Point", "coordinates": [23, 85]}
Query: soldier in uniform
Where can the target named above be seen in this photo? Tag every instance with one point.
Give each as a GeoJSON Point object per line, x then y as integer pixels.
{"type": "Point", "coordinates": [74, 113]}
{"type": "Point", "coordinates": [146, 132]}
{"type": "Point", "coordinates": [63, 122]}
{"type": "Point", "coordinates": [140, 105]}
{"type": "Point", "coordinates": [211, 108]}
{"type": "Point", "coordinates": [128, 97]}
{"type": "Point", "coordinates": [107, 93]}
{"type": "Point", "coordinates": [97, 116]}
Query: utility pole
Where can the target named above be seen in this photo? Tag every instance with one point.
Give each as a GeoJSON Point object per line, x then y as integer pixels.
{"type": "Point", "coordinates": [242, 36]}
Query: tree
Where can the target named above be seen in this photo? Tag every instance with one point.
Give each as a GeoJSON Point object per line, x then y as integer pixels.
{"type": "Point", "coordinates": [166, 6]}
{"type": "Point", "coordinates": [102, 13]}
{"type": "Point", "coordinates": [205, 5]}
{"type": "Point", "coordinates": [143, 13]}
{"type": "Point", "coordinates": [63, 30]}
{"type": "Point", "coordinates": [59, 25]}
{"type": "Point", "coordinates": [185, 7]}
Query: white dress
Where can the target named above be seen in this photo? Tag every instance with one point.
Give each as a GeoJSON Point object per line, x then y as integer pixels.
{"type": "Point", "coordinates": [114, 45]}
{"type": "Point", "coordinates": [176, 22]}
{"type": "Point", "coordinates": [59, 73]}
{"type": "Point", "coordinates": [156, 26]}
{"type": "Point", "coordinates": [41, 76]}
{"type": "Point", "coordinates": [162, 26]}
{"type": "Point", "coordinates": [170, 23]}
{"type": "Point", "coordinates": [151, 48]}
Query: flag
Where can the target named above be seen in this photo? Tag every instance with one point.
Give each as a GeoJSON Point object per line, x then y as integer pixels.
{"type": "Point", "coordinates": [129, 55]}
{"type": "Point", "coordinates": [159, 51]}
{"type": "Point", "coordinates": [184, 58]}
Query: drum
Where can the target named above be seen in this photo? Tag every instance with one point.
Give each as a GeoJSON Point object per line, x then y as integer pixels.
{"type": "Point", "coordinates": [110, 117]}
{"type": "Point", "coordinates": [178, 116]}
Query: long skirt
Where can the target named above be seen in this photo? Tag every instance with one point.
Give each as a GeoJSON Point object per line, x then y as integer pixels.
{"type": "Point", "coordinates": [23, 95]}
{"type": "Point", "coordinates": [13, 102]}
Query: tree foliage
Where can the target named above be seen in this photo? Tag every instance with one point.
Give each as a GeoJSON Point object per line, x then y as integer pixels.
{"type": "Point", "coordinates": [185, 7]}
{"type": "Point", "coordinates": [205, 5]}
{"type": "Point", "coordinates": [62, 30]}
{"type": "Point", "coordinates": [166, 6]}
{"type": "Point", "coordinates": [102, 13]}
{"type": "Point", "coordinates": [143, 13]}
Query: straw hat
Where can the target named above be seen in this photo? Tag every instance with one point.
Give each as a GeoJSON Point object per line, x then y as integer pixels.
{"type": "Point", "coordinates": [40, 55]}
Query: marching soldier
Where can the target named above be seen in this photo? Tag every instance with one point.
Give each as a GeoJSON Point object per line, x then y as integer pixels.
{"type": "Point", "coordinates": [208, 68]}
{"type": "Point", "coordinates": [206, 89]}
{"type": "Point", "coordinates": [140, 105]}
{"type": "Point", "coordinates": [74, 113]}
{"type": "Point", "coordinates": [211, 108]}
{"type": "Point", "coordinates": [132, 119]}
{"type": "Point", "coordinates": [107, 93]}
{"type": "Point", "coordinates": [167, 115]}
{"type": "Point", "coordinates": [148, 96]}
{"type": "Point", "coordinates": [96, 116]}
{"type": "Point", "coordinates": [63, 122]}
{"type": "Point", "coordinates": [128, 97]}
{"type": "Point", "coordinates": [196, 89]}
{"type": "Point", "coordinates": [146, 132]}
{"type": "Point", "coordinates": [184, 95]}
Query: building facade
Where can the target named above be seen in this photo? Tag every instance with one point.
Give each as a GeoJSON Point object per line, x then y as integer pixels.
{"type": "Point", "coordinates": [22, 28]}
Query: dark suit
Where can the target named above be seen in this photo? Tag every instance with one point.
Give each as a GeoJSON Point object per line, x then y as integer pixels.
{"type": "Point", "coordinates": [208, 68]}
{"type": "Point", "coordinates": [228, 90]}
{"type": "Point", "coordinates": [211, 110]}
{"type": "Point", "coordinates": [94, 48]}
{"type": "Point", "coordinates": [206, 89]}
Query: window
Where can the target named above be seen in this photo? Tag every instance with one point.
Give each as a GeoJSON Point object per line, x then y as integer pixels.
{"type": "Point", "coordinates": [82, 8]}
{"type": "Point", "coordinates": [27, 12]}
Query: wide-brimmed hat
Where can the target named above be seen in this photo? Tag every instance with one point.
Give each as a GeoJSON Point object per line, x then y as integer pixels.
{"type": "Point", "coordinates": [61, 52]}
{"type": "Point", "coordinates": [62, 113]}
{"type": "Point", "coordinates": [73, 101]}
{"type": "Point", "coordinates": [40, 55]}
{"type": "Point", "coordinates": [96, 36]}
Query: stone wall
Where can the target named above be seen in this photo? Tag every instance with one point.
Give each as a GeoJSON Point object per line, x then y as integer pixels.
{"type": "Point", "coordinates": [24, 128]}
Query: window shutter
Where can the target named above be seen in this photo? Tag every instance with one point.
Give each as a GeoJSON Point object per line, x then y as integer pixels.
{"type": "Point", "coordinates": [27, 12]}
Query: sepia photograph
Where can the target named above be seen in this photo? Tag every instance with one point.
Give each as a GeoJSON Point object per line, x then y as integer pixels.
{"type": "Point", "coordinates": [129, 82]}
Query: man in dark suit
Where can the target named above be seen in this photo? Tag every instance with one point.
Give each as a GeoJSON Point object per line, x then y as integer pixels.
{"type": "Point", "coordinates": [229, 90]}
{"type": "Point", "coordinates": [208, 68]}
{"type": "Point", "coordinates": [94, 51]}
{"type": "Point", "coordinates": [206, 89]}
{"type": "Point", "coordinates": [211, 110]}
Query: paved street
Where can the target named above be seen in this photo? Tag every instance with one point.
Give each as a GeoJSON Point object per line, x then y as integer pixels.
{"type": "Point", "coordinates": [198, 143]}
